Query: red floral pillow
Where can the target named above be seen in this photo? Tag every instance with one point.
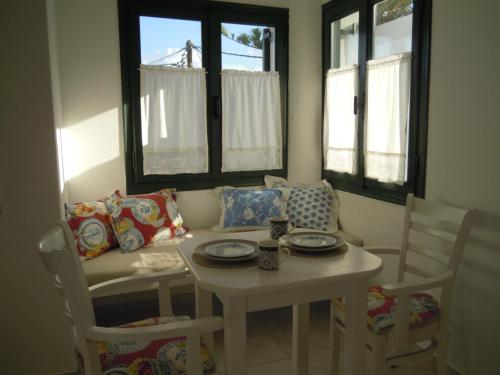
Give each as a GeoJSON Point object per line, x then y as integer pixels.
{"type": "Point", "coordinates": [139, 220]}
{"type": "Point", "coordinates": [173, 212]}
{"type": "Point", "coordinates": [91, 227]}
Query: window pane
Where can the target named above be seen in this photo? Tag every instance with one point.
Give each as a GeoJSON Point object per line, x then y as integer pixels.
{"type": "Point", "coordinates": [340, 121]}
{"type": "Point", "coordinates": [251, 101]}
{"type": "Point", "coordinates": [387, 114]}
{"type": "Point", "coordinates": [170, 42]}
{"type": "Point", "coordinates": [392, 27]}
{"type": "Point", "coordinates": [251, 121]}
{"type": "Point", "coordinates": [344, 36]}
{"type": "Point", "coordinates": [173, 98]}
{"type": "Point", "coordinates": [247, 47]}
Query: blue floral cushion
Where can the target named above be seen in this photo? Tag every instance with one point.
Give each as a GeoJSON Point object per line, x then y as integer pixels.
{"type": "Point", "coordinates": [313, 206]}
{"type": "Point", "coordinates": [250, 209]}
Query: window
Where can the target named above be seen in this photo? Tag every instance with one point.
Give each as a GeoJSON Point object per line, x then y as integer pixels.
{"type": "Point", "coordinates": [376, 72]}
{"type": "Point", "coordinates": [205, 93]}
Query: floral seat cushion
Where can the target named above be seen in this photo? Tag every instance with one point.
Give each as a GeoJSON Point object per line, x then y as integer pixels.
{"type": "Point", "coordinates": [382, 309]}
{"type": "Point", "coordinates": [158, 357]}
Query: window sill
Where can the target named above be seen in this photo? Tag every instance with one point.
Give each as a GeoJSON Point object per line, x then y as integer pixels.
{"type": "Point", "coordinates": [371, 189]}
{"type": "Point", "coordinates": [200, 182]}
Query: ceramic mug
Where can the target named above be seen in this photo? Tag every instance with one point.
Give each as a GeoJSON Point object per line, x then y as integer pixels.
{"type": "Point", "coordinates": [269, 255]}
{"type": "Point", "coordinates": [280, 226]}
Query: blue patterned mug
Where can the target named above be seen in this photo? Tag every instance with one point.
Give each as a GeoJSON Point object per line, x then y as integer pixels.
{"type": "Point", "coordinates": [280, 226]}
{"type": "Point", "coordinates": [269, 255]}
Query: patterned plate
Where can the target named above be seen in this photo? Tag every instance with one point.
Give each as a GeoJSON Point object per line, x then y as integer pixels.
{"type": "Point", "coordinates": [312, 250]}
{"type": "Point", "coordinates": [200, 250]}
{"type": "Point", "coordinates": [311, 240]}
{"type": "Point", "coordinates": [229, 248]}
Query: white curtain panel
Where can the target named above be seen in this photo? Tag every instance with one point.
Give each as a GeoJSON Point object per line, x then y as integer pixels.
{"type": "Point", "coordinates": [251, 121]}
{"type": "Point", "coordinates": [387, 115]}
{"type": "Point", "coordinates": [174, 120]}
{"type": "Point", "coordinates": [340, 124]}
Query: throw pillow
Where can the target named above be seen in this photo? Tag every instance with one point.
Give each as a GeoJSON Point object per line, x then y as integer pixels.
{"type": "Point", "coordinates": [91, 227]}
{"type": "Point", "coordinates": [178, 228]}
{"type": "Point", "coordinates": [312, 206]}
{"type": "Point", "coordinates": [249, 208]}
{"type": "Point", "coordinates": [139, 220]}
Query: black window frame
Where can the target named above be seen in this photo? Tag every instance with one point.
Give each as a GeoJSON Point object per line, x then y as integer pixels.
{"type": "Point", "coordinates": [419, 96]}
{"type": "Point", "coordinates": [211, 14]}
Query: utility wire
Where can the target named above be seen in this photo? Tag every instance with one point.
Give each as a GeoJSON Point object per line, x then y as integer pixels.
{"type": "Point", "coordinates": [237, 54]}
{"type": "Point", "coordinates": [198, 48]}
{"type": "Point", "coordinates": [166, 57]}
{"type": "Point", "coordinates": [198, 52]}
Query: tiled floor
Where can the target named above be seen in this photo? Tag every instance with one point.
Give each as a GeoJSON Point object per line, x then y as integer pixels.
{"type": "Point", "coordinates": [270, 341]}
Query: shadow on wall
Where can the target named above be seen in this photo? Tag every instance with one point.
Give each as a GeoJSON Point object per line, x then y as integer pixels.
{"type": "Point", "coordinates": [90, 85]}
{"type": "Point", "coordinates": [89, 58]}
{"type": "Point", "coordinates": [476, 292]}
{"type": "Point", "coordinates": [97, 182]}
{"type": "Point", "coordinates": [92, 157]}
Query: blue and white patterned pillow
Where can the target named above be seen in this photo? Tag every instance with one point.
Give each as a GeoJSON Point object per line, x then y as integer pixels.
{"type": "Point", "coordinates": [249, 209]}
{"type": "Point", "coordinates": [313, 206]}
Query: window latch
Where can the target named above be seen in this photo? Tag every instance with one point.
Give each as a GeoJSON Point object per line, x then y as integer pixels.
{"type": "Point", "coordinates": [358, 105]}
{"type": "Point", "coordinates": [217, 107]}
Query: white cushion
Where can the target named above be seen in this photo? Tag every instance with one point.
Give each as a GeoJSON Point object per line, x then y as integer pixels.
{"type": "Point", "coordinates": [114, 263]}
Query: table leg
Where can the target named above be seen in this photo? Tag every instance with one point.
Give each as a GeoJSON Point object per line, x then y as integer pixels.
{"type": "Point", "coordinates": [165, 304]}
{"type": "Point", "coordinates": [300, 339]}
{"type": "Point", "coordinates": [355, 329]}
{"type": "Point", "coordinates": [203, 305]}
{"type": "Point", "coordinates": [235, 335]}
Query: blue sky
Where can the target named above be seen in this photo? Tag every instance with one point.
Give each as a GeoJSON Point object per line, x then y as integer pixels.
{"type": "Point", "coordinates": [165, 36]}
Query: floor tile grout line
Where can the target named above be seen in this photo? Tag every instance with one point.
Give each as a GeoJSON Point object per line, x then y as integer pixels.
{"type": "Point", "coordinates": [280, 346]}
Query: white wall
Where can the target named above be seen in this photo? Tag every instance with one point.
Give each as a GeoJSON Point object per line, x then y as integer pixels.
{"type": "Point", "coordinates": [32, 324]}
{"type": "Point", "coordinates": [463, 164]}
{"type": "Point", "coordinates": [90, 83]}
{"type": "Point", "coordinates": [304, 124]}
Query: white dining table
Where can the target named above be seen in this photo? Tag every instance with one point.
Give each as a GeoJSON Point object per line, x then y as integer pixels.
{"type": "Point", "coordinates": [299, 281]}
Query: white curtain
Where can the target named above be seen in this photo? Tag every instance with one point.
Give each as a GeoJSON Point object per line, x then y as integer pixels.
{"type": "Point", "coordinates": [387, 115]}
{"type": "Point", "coordinates": [340, 124]}
{"type": "Point", "coordinates": [251, 121]}
{"type": "Point", "coordinates": [174, 120]}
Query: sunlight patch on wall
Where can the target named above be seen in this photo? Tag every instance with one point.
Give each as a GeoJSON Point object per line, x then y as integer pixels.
{"type": "Point", "coordinates": [90, 143]}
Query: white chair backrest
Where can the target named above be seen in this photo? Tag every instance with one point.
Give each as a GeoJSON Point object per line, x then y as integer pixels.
{"type": "Point", "coordinates": [436, 232]}
{"type": "Point", "coordinates": [60, 257]}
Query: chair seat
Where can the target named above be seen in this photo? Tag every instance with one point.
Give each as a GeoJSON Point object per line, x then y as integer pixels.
{"type": "Point", "coordinates": [158, 357]}
{"type": "Point", "coordinates": [382, 309]}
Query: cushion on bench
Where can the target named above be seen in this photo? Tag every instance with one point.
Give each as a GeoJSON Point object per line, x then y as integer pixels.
{"type": "Point", "coordinates": [114, 263]}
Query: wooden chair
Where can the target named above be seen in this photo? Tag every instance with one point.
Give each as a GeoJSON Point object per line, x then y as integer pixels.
{"type": "Point", "coordinates": [60, 257]}
{"type": "Point", "coordinates": [434, 237]}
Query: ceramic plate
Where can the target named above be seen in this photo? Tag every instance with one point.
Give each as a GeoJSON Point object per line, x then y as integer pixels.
{"type": "Point", "coordinates": [312, 240]}
{"type": "Point", "coordinates": [229, 249]}
{"type": "Point", "coordinates": [230, 260]}
{"type": "Point", "coordinates": [337, 245]}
